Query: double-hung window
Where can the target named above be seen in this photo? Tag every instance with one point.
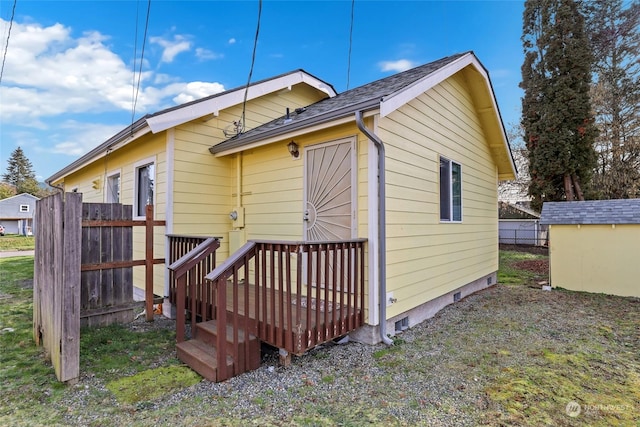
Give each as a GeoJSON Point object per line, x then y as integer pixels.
{"type": "Point", "coordinates": [145, 178]}
{"type": "Point", "coordinates": [450, 191]}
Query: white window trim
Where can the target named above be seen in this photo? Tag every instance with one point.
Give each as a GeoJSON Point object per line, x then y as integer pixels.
{"type": "Point", "coordinates": [137, 165]}
{"type": "Point", "coordinates": [444, 221]}
{"type": "Point", "coordinates": [110, 174]}
{"type": "Point", "coordinates": [24, 210]}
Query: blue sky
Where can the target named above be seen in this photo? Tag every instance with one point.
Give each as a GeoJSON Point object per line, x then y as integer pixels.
{"type": "Point", "coordinates": [68, 79]}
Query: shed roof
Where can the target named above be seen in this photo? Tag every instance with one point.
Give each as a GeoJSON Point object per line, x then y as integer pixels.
{"type": "Point", "coordinates": [619, 211]}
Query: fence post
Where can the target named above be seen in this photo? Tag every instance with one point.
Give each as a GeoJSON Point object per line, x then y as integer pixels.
{"type": "Point", "coordinates": [148, 265]}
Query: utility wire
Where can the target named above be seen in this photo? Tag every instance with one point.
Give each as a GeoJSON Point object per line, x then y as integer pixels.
{"type": "Point", "coordinates": [135, 55]}
{"type": "Point", "coordinates": [253, 60]}
{"type": "Point", "coordinates": [144, 42]}
{"type": "Point", "coordinates": [6, 47]}
{"type": "Point", "coordinates": [353, 5]}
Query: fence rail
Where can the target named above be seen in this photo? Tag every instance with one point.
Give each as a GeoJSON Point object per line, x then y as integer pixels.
{"type": "Point", "coordinates": [536, 236]}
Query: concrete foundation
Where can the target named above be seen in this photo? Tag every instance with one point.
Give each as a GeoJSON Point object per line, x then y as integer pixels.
{"type": "Point", "coordinates": [370, 334]}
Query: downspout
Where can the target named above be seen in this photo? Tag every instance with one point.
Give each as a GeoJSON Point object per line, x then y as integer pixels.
{"type": "Point", "coordinates": [382, 235]}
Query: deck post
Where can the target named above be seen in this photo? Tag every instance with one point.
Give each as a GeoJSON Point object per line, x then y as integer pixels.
{"type": "Point", "coordinates": [285, 357]}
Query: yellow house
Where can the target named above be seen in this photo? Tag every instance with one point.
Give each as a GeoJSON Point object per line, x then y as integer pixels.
{"type": "Point", "coordinates": [163, 159]}
{"type": "Point", "coordinates": [594, 245]}
{"type": "Point", "coordinates": [409, 163]}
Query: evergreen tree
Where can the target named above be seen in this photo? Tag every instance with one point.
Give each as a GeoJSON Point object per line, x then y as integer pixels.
{"type": "Point", "coordinates": [20, 173]}
{"type": "Point", "coordinates": [6, 190]}
{"type": "Point", "coordinates": [614, 32]}
{"type": "Point", "coordinates": [556, 109]}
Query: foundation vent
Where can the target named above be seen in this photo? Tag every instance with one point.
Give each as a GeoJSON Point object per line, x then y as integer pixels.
{"type": "Point", "coordinates": [489, 280]}
{"type": "Point", "coordinates": [402, 324]}
{"type": "Point", "coordinates": [456, 297]}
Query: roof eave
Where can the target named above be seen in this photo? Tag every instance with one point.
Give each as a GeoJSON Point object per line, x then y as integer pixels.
{"type": "Point", "coordinates": [393, 101]}
{"type": "Point", "coordinates": [229, 147]}
{"type": "Point", "coordinates": [130, 133]}
{"type": "Point", "coordinates": [176, 116]}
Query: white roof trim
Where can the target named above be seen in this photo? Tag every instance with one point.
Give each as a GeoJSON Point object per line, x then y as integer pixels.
{"type": "Point", "coordinates": [187, 113]}
{"type": "Point", "coordinates": [396, 100]}
{"type": "Point", "coordinates": [293, 134]}
{"type": "Point", "coordinates": [82, 161]}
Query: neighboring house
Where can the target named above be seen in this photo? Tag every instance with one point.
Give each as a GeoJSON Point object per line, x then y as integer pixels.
{"type": "Point", "coordinates": [17, 213]}
{"type": "Point", "coordinates": [594, 245]}
{"type": "Point", "coordinates": [520, 225]}
{"type": "Point", "coordinates": [415, 156]}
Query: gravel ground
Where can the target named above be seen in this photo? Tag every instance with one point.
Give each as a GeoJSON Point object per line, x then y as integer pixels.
{"type": "Point", "coordinates": [438, 374]}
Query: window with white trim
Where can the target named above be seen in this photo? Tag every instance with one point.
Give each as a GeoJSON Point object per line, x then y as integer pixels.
{"type": "Point", "coordinates": [113, 188]}
{"type": "Point", "coordinates": [24, 208]}
{"type": "Point", "coordinates": [145, 178]}
{"type": "Point", "coordinates": [450, 190]}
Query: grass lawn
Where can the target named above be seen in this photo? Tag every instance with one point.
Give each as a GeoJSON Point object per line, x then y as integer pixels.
{"type": "Point", "coordinates": [14, 242]}
{"type": "Point", "coordinates": [512, 355]}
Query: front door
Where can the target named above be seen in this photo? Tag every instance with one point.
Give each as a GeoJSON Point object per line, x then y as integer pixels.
{"type": "Point", "coordinates": [330, 210]}
{"type": "Point", "coordinates": [329, 191]}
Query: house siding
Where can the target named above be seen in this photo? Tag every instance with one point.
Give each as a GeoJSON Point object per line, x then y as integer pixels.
{"type": "Point", "coordinates": [14, 220]}
{"type": "Point", "coordinates": [600, 258]}
{"type": "Point", "coordinates": [125, 160]}
{"type": "Point", "coordinates": [273, 185]}
{"type": "Point", "coordinates": [205, 185]}
{"type": "Point", "coordinates": [427, 258]}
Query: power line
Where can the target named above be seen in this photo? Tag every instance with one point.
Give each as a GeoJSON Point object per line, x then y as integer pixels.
{"type": "Point", "coordinates": [353, 5]}
{"type": "Point", "coordinates": [6, 47]}
{"type": "Point", "coordinates": [253, 60]}
{"type": "Point", "coordinates": [135, 55]}
{"type": "Point", "coordinates": [144, 42]}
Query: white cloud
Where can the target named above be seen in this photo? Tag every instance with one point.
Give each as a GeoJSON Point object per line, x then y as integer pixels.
{"type": "Point", "coordinates": [232, 41]}
{"type": "Point", "coordinates": [47, 73]}
{"type": "Point", "coordinates": [196, 90]}
{"type": "Point", "coordinates": [83, 75]}
{"type": "Point", "coordinates": [397, 66]}
{"type": "Point", "coordinates": [77, 138]}
{"type": "Point", "coordinates": [206, 54]}
{"type": "Point", "coordinates": [172, 48]}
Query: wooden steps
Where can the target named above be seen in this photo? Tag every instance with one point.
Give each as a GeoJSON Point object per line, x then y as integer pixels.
{"type": "Point", "coordinates": [200, 353]}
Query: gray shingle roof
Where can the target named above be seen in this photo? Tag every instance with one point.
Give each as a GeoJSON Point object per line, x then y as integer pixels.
{"type": "Point", "coordinates": [621, 211]}
{"type": "Point", "coordinates": [360, 98]}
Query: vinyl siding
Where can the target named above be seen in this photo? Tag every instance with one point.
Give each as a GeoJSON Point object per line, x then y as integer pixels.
{"type": "Point", "coordinates": [205, 185]}
{"type": "Point", "coordinates": [125, 160]}
{"type": "Point", "coordinates": [273, 185]}
{"type": "Point", "coordinates": [427, 258]}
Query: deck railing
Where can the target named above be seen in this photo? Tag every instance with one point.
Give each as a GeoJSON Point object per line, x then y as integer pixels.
{"type": "Point", "coordinates": [179, 246]}
{"type": "Point", "coordinates": [190, 290]}
{"type": "Point", "coordinates": [292, 295]}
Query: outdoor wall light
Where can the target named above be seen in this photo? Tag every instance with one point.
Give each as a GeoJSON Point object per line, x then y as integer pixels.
{"type": "Point", "coordinates": [293, 149]}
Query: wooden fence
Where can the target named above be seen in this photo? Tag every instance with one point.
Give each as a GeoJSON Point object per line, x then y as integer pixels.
{"type": "Point", "coordinates": [107, 293]}
{"type": "Point", "coordinates": [56, 289]}
{"type": "Point", "coordinates": [83, 270]}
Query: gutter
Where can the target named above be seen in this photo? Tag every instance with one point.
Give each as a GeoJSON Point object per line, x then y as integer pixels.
{"type": "Point", "coordinates": [382, 235]}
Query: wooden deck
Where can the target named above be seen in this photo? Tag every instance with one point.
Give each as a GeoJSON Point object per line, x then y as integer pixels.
{"type": "Point", "coordinates": [275, 307]}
